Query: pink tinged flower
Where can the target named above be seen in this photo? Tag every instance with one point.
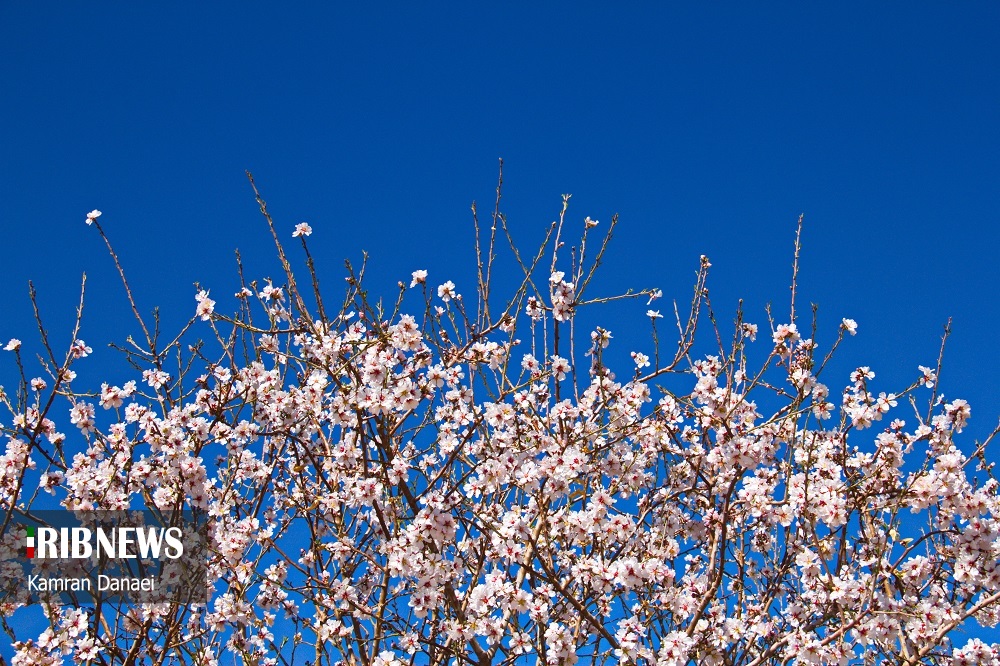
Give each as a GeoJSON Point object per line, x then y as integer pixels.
{"type": "Point", "coordinates": [958, 413]}
{"type": "Point", "coordinates": [86, 649]}
{"type": "Point", "coordinates": [93, 215]}
{"type": "Point", "coordinates": [206, 306]}
{"type": "Point", "coordinates": [520, 643]}
{"type": "Point", "coordinates": [560, 366]}
{"type": "Point", "coordinates": [885, 402]}
{"type": "Point", "coordinates": [601, 337]}
{"type": "Point", "coordinates": [13, 344]}
{"type": "Point", "coordinates": [976, 652]}
{"type": "Point", "coordinates": [50, 480]}
{"type": "Point", "coordinates": [79, 349]}
{"type": "Point", "coordinates": [653, 314]}
{"type": "Point", "coordinates": [589, 223]}
{"type": "Point", "coordinates": [419, 277]}
{"type": "Point", "coordinates": [641, 360]}
{"type": "Point", "coordinates": [446, 292]}
{"type": "Point", "coordinates": [563, 297]}
{"type": "Point", "coordinates": [76, 624]}
{"type": "Point", "coordinates": [155, 378]}
{"type": "Point", "coordinates": [271, 293]}
{"type": "Point", "coordinates": [386, 658]}
{"type": "Point", "coordinates": [302, 229]}
{"type": "Point", "coordinates": [534, 309]}
{"type": "Point", "coordinates": [823, 410]}
{"type": "Point", "coordinates": [861, 374]}
{"type": "Point", "coordinates": [47, 640]}
{"type": "Point", "coordinates": [410, 643]}
{"type": "Point", "coordinates": [653, 295]}
{"type": "Point", "coordinates": [531, 364]}
{"type": "Point", "coordinates": [928, 376]}
{"type": "Point", "coordinates": [786, 332]}
{"type": "Point", "coordinates": [82, 416]}
{"type": "Point", "coordinates": [111, 396]}
{"type": "Point", "coordinates": [850, 326]}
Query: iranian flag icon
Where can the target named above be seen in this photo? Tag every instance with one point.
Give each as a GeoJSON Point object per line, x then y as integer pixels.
{"type": "Point", "coordinates": [31, 543]}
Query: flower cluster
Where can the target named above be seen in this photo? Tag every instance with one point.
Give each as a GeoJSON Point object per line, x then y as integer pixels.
{"type": "Point", "coordinates": [412, 488]}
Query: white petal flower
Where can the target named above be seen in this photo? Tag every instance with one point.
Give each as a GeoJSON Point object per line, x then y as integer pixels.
{"type": "Point", "coordinates": [446, 292]}
{"type": "Point", "coordinates": [206, 306]}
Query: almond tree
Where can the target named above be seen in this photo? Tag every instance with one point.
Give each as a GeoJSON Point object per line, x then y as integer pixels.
{"type": "Point", "coordinates": [451, 480]}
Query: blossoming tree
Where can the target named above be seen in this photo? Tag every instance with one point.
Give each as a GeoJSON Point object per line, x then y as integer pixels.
{"type": "Point", "coordinates": [465, 480]}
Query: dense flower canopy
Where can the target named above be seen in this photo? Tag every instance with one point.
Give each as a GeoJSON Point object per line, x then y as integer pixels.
{"type": "Point", "coordinates": [468, 481]}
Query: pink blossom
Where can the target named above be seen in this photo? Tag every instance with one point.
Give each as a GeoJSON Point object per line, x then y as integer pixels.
{"type": "Point", "coordinates": [206, 306]}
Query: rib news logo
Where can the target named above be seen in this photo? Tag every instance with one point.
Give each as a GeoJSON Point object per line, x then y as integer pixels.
{"type": "Point", "coordinates": [93, 556]}
{"type": "Point", "coordinates": [119, 543]}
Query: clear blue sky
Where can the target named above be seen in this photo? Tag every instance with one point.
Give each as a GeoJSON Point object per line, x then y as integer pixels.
{"type": "Point", "coordinates": [708, 129]}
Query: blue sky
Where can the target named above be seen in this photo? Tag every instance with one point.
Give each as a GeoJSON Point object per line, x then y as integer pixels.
{"type": "Point", "coordinates": [708, 129]}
